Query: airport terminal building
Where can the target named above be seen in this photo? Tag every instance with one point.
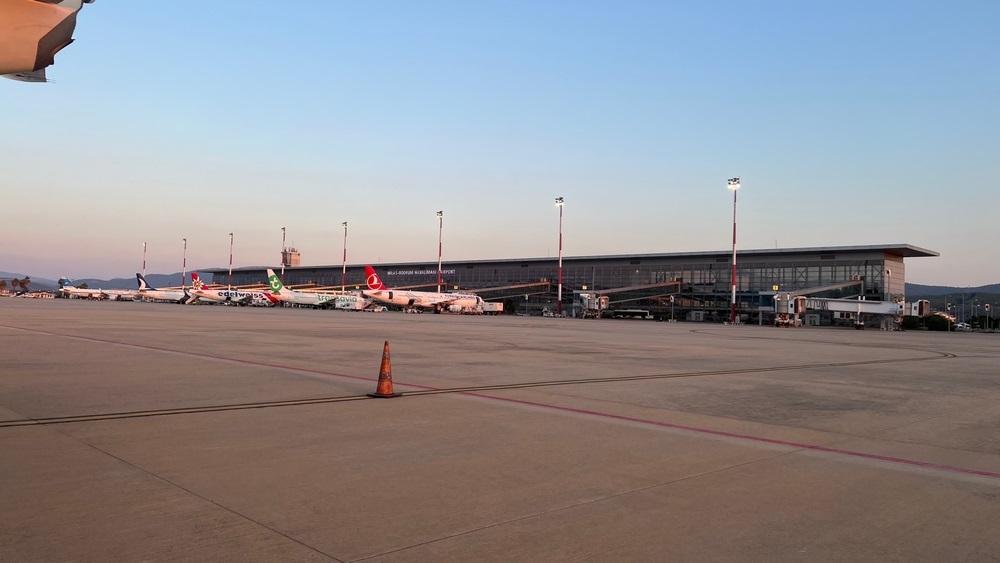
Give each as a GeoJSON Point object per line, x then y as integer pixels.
{"type": "Point", "coordinates": [695, 280]}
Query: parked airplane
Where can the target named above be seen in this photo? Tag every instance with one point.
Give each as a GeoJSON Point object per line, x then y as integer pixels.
{"type": "Point", "coordinates": [175, 295]}
{"type": "Point", "coordinates": [430, 300]}
{"type": "Point", "coordinates": [200, 293]}
{"type": "Point", "coordinates": [309, 299]}
{"type": "Point", "coordinates": [32, 32]}
{"type": "Point", "coordinates": [68, 289]}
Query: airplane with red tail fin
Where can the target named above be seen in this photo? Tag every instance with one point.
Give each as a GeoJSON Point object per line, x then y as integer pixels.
{"type": "Point", "coordinates": [420, 300]}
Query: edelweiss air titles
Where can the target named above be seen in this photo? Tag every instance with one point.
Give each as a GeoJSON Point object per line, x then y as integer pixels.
{"type": "Point", "coordinates": [199, 292]}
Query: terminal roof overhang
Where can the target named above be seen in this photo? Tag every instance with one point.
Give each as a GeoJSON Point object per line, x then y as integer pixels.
{"type": "Point", "coordinates": [901, 250]}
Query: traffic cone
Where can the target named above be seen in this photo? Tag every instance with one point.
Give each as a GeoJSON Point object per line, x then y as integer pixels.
{"type": "Point", "coordinates": [384, 389]}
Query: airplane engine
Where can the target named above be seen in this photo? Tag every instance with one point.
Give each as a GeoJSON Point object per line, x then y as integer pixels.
{"type": "Point", "coordinates": [454, 308]}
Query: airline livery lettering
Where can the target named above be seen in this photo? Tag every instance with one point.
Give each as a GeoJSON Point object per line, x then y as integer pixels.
{"type": "Point", "coordinates": [417, 272]}
{"type": "Point", "coordinates": [241, 295]}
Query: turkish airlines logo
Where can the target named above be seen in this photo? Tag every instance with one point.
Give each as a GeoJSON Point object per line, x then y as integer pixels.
{"type": "Point", "coordinates": [374, 282]}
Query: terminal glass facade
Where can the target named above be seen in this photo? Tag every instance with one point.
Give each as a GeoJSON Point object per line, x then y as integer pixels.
{"type": "Point", "coordinates": [702, 279]}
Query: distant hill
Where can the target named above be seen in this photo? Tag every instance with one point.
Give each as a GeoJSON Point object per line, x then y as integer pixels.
{"type": "Point", "coordinates": [9, 275]}
{"type": "Point", "coordinates": [924, 291]}
{"type": "Point", "coordinates": [964, 301]}
{"type": "Point", "coordinates": [37, 284]}
{"type": "Point", "coordinates": [155, 280]}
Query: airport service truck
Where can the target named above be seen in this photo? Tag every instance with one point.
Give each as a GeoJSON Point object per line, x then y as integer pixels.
{"type": "Point", "coordinates": [350, 303]}
{"type": "Point", "coordinates": [491, 308]}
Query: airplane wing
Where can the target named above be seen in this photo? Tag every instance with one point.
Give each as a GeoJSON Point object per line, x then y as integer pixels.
{"type": "Point", "coordinates": [326, 301]}
{"type": "Point", "coordinates": [31, 76]}
{"type": "Point", "coordinates": [32, 32]}
{"type": "Point", "coordinates": [437, 301]}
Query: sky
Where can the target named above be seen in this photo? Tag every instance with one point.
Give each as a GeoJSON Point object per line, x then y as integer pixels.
{"type": "Point", "coordinates": [848, 122]}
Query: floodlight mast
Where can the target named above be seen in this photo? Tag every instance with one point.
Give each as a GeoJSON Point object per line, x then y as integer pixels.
{"type": "Point", "coordinates": [734, 185]}
{"type": "Point", "coordinates": [230, 260]}
{"type": "Point", "coordinates": [559, 203]}
{"type": "Point", "coordinates": [440, 216]}
{"type": "Point", "coordinates": [343, 272]}
{"type": "Point", "coordinates": [184, 264]}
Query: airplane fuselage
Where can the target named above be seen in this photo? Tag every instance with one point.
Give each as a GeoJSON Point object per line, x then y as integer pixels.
{"type": "Point", "coordinates": [330, 300]}
{"type": "Point", "coordinates": [232, 295]}
{"type": "Point", "coordinates": [163, 295]}
{"type": "Point", "coordinates": [115, 294]}
{"type": "Point", "coordinates": [454, 302]}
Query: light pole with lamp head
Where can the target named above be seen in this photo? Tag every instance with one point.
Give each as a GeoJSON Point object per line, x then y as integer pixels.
{"type": "Point", "coordinates": [230, 260]}
{"type": "Point", "coordinates": [734, 185]}
{"type": "Point", "coordinates": [559, 203]}
{"type": "Point", "coordinates": [143, 259]}
{"type": "Point", "coordinates": [184, 263]}
{"type": "Point", "coordinates": [440, 215]}
{"type": "Point", "coordinates": [343, 272]}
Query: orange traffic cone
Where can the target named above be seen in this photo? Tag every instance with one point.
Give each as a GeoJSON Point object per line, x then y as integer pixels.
{"type": "Point", "coordinates": [384, 389]}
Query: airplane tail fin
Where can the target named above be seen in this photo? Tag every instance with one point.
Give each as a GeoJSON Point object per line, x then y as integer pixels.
{"type": "Point", "coordinates": [143, 285]}
{"type": "Point", "coordinates": [66, 283]}
{"type": "Point", "coordinates": [276, 286]}
{"type": "Point", "coordinates": [196, 281]}
{"type": "Point", "coordinates": [374, 282]}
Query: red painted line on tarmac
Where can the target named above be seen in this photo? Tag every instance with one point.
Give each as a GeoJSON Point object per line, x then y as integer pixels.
{"type": "Point", "coordinates": [749, 437]}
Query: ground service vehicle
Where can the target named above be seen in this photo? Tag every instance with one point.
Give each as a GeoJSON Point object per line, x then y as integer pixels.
{"type": "Point", "coordinates": [491, 308]}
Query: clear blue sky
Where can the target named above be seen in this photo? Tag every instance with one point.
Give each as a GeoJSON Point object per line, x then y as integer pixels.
{"type": "Point", "coordinates": [849, 122]}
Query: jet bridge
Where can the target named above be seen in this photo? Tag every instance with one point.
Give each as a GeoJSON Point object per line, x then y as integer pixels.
{"type": "Point", "coordinates": [508, 291]}
{"type": "Point", "coordinates": [595, 303]}
{"type": "Point", "coordinates": [814, 290]}
{"type": "Point", "coordinates": [639, 292]}
{"type": "Point", "coordinates": [788, 307]}
{"type": "Point", "coordinates": [797, 305]}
